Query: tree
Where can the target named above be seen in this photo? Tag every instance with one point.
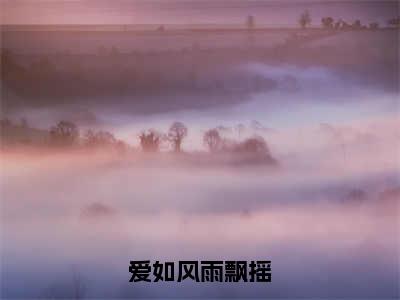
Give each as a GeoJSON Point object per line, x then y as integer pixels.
{"type": "Point", "coordinates": [250, 22]}
{"type": "Point", "coordinates": [251, 150]}
{"type": "Point", "coordinates": [305, 19]}
{"type": "Point", "coordinates": [177, 132]}
{"type": "Point", "coordinates": [65, 133]}
{"type": "Point", "coordinates": [100, 138]}
{"type": "Point", "coordinates": [150, 140]}
{"type": "Point", "coordinates": [374, 25]}
{"type": "Point", "coordinates": [345, 25]}
{"type": "Point", "coordinates": [327, 22]}
{"type": "Point", "coordinates": [394, 22]}
{"type": "Point", "coordinates": [255, 144]}
{"type": "Point", "coordinates": [338, 24]}
{"type": "Point", "coordinates": [255, 149]}
{"type": "Point", "coordinates": [212, 140]}
{"type": "Point", "coordinates": [357, 24]}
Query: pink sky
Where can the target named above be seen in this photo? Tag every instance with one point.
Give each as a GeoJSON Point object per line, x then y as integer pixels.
{"type": "Point", "coordinates": [267, 12]}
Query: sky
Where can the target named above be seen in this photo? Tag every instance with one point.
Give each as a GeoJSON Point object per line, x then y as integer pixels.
{"type": "Point", "coordinates": [266, 12]}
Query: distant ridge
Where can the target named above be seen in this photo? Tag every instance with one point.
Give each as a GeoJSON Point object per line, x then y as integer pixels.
{"type": "Point", "coordinates": [137, 27]}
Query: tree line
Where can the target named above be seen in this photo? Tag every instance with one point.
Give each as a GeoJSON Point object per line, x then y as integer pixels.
{"type": "Point", "coordinates": [328, 22]}
{"type": "Point", "coordinates": [66, 134]}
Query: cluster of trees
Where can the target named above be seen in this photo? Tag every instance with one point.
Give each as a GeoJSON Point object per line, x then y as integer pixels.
{"type": "Point", "coordinates": [305, 20]}
{"type": "Point", "coordinates": [65, 134]}
{"type": "Point", "coordinates": [215, 143]}
{"type": "Point", "coordinates": [330, 23]}
{"type": "Point", "coordinates": [151, 140]}
{"type": "Point", "coordinates": [213, 140]}
{"type": "Point", "coordinates": [395, 22]}
{"type": "Point", "coordinates": [20, 133]}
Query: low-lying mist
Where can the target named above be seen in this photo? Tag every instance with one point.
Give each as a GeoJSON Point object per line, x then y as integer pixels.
{"type": "Point", "coordinates": [71, 222]}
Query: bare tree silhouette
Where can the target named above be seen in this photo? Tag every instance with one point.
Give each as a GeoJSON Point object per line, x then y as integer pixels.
{"type": "Point", "coordinates": [177, 132]}
{"type": "Point", "coordinates": [100, 138]}
{"type": "Point", "coordinates": [394, 22]}
{"type": "Point", "coordinates": [356, 24]}
{"type": "Point", "coordinates": [327, 22]}
{"type": "Point", "coordinates": [212, 140]}
{"type": "Point", "coordinates": [374, 25]}
{"type": "Point", "coordinates": [65, 133]}
{"type": "Point", "coordinates": [305, 19]}
{"type": "Point", "coordinates": [150, 140]}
